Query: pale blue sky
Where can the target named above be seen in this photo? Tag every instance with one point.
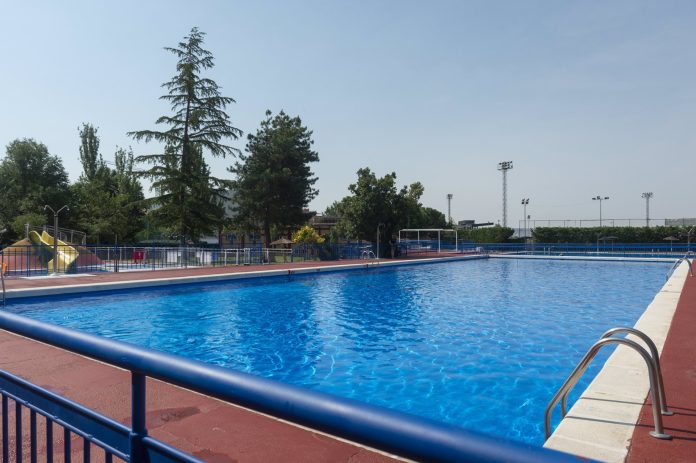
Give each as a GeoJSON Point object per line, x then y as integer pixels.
{"type": "Point", "coordinates": [586, 97]}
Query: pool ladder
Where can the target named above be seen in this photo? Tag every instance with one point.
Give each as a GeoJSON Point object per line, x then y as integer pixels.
{"type": "Point", "coordinates": [652, 361]}
{"type": "Point", "coordinates": [679, 261]}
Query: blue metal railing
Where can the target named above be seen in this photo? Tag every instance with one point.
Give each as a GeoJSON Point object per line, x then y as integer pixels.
{"type": "Point", "coordinates": [394, 432]}
{"type": "Point", "coordinates": [590, 249]}
{"type": "Point", "coordinates": [31, 260]}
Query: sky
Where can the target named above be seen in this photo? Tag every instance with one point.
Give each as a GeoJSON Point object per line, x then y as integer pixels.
{"type": "Point", "coordinates": [586, 98]}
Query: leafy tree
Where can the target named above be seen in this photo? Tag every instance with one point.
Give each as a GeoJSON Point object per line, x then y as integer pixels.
{"type": "Point", "coordinates": [622, 234]}
{"type": "Point", "coordinates": [90, 157]}
{"type": "Point", "coordinates": [198, 123]}
{"type": "Point", "coordinates": [377, 203]}
{"type": "Point", "coordinates": [274, 181]}
{"type": "Point", "coordinates": [495, 234]}
{"type": "Point", "coordinates": [109, 201]}
{"type": "Point", "coordinates": [30, 177]}
{"type": "Point", "coordinates": [307, 235]}
{"type": "Point", "coordinates": [429, 218]}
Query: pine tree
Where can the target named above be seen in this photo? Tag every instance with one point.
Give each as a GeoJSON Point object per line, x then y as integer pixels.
{"type": "Point", "coordinates": [274, 181]}
{"type": "Point", "coordinates": [198, 124]}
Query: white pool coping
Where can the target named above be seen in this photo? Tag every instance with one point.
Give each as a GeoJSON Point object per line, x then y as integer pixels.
{"type": "Point", "coordinates": [16, 293]}
{"type": "Point", "coordinates": [595, 257]}
{"type": "Point", "coordinates": [601, 423]}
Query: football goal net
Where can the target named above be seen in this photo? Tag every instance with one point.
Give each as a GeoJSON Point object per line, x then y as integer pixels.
{"type": "Point", "coordinates": [416, 241]}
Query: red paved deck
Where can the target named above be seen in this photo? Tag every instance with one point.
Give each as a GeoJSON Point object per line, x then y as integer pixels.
{"type": "Point", "coordinates": [204, 427]}
{"type": "Point", "coordinates": [14, 283]}
{"type": "Point", "coordinates": [678, 362]}
{"type": "Point", "coordinates": [207, 428]}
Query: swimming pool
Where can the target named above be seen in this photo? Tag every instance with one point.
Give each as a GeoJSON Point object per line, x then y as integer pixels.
{"type": "Point", "coordinates": [482, 344]}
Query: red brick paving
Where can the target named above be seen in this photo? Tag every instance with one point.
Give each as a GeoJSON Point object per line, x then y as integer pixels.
{"type": "Point", "coordinates": [204, 427]}
{"type": "Point", "coordinates": [15, 283]}
{"type": "Point", "coordinates": [86, 279]}
{"type": "Point", "coordinates": [678, 362]}
{"type": "Point", "coordinates": [207, 428]}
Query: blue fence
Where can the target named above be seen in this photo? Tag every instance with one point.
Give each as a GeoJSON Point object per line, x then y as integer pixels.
{"type": "Point", "coordinates": [596, 249]}
{"type": "Point", "coordinates": [397, 433]}
{"type": "Point", "coordinates": [39, 260]}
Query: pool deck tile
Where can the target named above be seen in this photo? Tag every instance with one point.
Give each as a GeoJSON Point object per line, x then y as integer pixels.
{"type": "Point", "coordinates": [202, 426]}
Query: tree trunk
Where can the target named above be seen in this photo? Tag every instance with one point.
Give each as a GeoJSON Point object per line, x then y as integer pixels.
{"type": "Point", "coordinates": [267, 233]}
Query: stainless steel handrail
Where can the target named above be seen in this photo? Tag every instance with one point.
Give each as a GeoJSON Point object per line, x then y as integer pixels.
{"type": "Point", "coordinates": [654, 354]}
{"type": "Point", "coordinates": [582, 367]}
{"type": "Point", "coordinates": [679, 261]}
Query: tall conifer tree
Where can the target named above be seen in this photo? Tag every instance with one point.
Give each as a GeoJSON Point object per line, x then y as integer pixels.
{"type": "Point", "coordinates": [198, 124]}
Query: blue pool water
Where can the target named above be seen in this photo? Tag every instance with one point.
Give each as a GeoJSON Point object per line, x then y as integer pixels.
{"type": "Point", "coordinates": [482, 344]}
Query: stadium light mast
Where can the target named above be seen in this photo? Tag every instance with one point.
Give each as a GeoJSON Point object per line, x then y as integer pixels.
{"type": "Point", "coordinates": [504, 167]}
{"type": "Point", "coordinates": [449, 207]}
{"type": "Point", "coordinates": [600, 199]}
{"type": "Point", "coordinates": [647, 197]}
{"type": "Point", "coordinates": [525, 202]}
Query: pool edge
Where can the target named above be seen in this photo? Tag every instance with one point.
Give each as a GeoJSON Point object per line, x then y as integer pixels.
{"type": "Point", "coordinates": [63, 289]}
{"type": "Point", "coordinates": [601, 423]}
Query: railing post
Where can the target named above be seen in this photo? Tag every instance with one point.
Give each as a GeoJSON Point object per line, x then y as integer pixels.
{"type": "Point", "coordinates": [138, 424]}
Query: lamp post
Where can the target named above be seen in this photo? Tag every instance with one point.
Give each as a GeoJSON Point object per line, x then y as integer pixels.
{"type": "Point", "coordinates": [647, 197]}
{"type": "Point", "coordinates": [600, 199]}
{"type": "Point", "coordinates": [55, 234]}
{"type": "Point", "coordinates": [525, 202]}
{"type": "Point", "coordinates": [504, 167]}
{"type": "Point", "coordinates": [449, 209]}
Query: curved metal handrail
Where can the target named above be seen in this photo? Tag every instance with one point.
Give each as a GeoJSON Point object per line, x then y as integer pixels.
{"type": "Point", "coordinates": [654, 354]}
{"type": "Point", "coordinates": [582, 367]}
{"type": "Point", "coordinates": [679, 261]}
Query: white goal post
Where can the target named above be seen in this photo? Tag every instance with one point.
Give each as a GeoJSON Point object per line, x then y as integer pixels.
{"type": "Point", "coordinates": [428, 239]}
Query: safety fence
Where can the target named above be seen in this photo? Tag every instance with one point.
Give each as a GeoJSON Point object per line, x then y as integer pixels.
{"type": "Point", "coordinates": [39, 260]}
{"type": "Point", "coordinates": [56, 423]}
{"type": "Point", "coordinates": [602, 248]}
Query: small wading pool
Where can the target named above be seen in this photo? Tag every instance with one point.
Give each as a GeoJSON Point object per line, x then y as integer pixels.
{"type": "Point", "coordinates": [482, 344]}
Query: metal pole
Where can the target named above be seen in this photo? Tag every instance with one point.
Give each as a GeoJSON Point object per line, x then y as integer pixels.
{"type": "Point", "coordinates": [55, 242]}
{"type": "Point", "coordinates": [55, 235]}
{"type": "Point", "coordinates": [449, 209]}
{"type": "Point", "coordinates": [138, 421]}
{"type": "Point", "coordinates": [504, 167]}
{"type": "Point", "coordinates": [647, 197]}
{"type": "Point", "coordinates": [504, 198]}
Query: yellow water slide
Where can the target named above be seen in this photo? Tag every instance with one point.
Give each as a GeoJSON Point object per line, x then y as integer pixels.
{"type": "Point", "coordinates": [66, 255]}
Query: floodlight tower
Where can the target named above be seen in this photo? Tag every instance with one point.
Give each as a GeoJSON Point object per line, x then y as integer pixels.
{"type": "Point", "coordinates": [504, 167]}
{"type": "Point", "coordinates": [449, 207]}
{"type": "Point", "coordinates": [525, 202]}
{"type": "Point", "coordinates": [647, 197]}
{"type": "Point", "coordinates": [600, 198]}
